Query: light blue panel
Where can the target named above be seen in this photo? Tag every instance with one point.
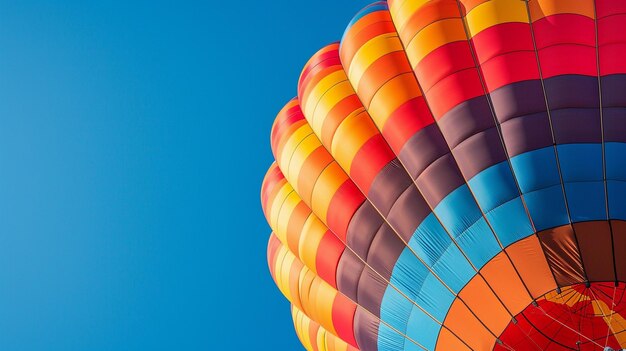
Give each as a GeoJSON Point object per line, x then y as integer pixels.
{"type": "Point", "coordinates": [409, 273]}
{"type": "Point", "coordinates": [479, 244]}
{"type": "Point", "coordinates": [494, 186]}
{"type": "Point", "coordinates": [422, 329]}
{"type": "Point", "coordinates": [389, 339]}
{"type": "Point", "coordinates": [580, 162]}
{"type": "Point", "coordinates": [547, 207]}
{"type": "Point", "coordinates": [617, 194]}
{"type": "Point", "coordinates": [395, 309]}
{"type": "Point", "coordinates": [430, 240]}
{"type": "Point", "coordinates": [458, 211]}
{"type": "Point", "coordinates": [454, 268]}
{"type": "Point", "coordinates": [586, 201]}
{"type": "Point", "coordinates": [615, 155]}
{"type": "Point", "coordinates": [435, 298]}
{"type": "Point", "coordinates": [413, 279]}
{"type": "Point", "coordinates": [536, 169]}
{"type": "Point", "coordinates": [510, 222]}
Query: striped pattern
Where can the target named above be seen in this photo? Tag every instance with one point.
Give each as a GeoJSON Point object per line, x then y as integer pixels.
{"type": "Point", "coordinates": [446, 168]}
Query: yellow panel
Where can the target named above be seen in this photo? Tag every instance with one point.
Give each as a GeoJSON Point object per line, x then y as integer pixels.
{"type": "Point", "coordinates": [371, 51]}
{"type": "Point", "coordinates": [332, 97]}
{"type": "Point", "coordinates": [390, 96]}
{"type": "Point", "coordinates": [325, 188]}
{"type": "Point", "coordinates": [281, 195]}
{"type": "Point", "coordinates": [401, 11]}
{"type": "Point", "coordinates": [433, 36]}
{"type": "Point", "coordinates": [321, 340]}
{"type": "Point", "coordinates": [350, 136]}
{"type": "Point", "coordinates": [304, 149]}
{"type": "Point", "coordinates": [495, 12]}
{"type": "Point", "coordinates": [292, 142]}
{"type": "Point", "coordinates": [284, 216]}
{"type": "Point", "coordinates": [325, 296]}
{"type": "Point", "coordinates": [312, 234]}
{"type": "Point", "coordinates": [306, 280]}
{"type": "Point", "coordinates": [310, 97]}
{"type": "Point", "coordinates": [282, 272]}
{"type": "Point", "coordinates": [543, 8]}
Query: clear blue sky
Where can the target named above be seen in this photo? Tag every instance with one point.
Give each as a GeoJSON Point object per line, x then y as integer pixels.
{"type": "Point", "coordinates": [134, 136]}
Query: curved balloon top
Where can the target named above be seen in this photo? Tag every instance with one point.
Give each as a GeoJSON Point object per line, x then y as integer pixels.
{"type": "Point", "coordinates": [451, 176]}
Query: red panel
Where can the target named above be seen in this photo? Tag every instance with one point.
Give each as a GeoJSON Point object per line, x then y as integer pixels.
{"type": "Point", "coordinates": [442, 62]}
{"type": "Point", "coordinates": [557, 60]}
{"type": "Point", "coordinates": [343, 319]}
{"type": "Point", "coordinates": [510, 68]}
{"type": "Point", "coordinates": [405, 121]}
{"type": "Point", "coordinates": [501, 39]}
{"type": "Point", "coordinates": [342, 207]}
{"type": "Point", "coordinates": [327, 258]}
{"type": "Point", "coordinates": [453, 90]}
{"type": "Point", "coordinates": [369, 160]}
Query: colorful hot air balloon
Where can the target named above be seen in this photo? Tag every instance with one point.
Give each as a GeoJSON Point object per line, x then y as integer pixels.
{"type": "Point", "coordinates": [452, 176]}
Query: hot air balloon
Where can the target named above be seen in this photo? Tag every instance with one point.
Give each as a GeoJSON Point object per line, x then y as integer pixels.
{"type": "Point", "coordinates": [452, 176]}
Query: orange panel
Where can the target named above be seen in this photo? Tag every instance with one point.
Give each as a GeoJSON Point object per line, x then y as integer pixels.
{"type": "Point", "coordinates": [530, 262]}
{"type": "Point", "coordinates": [504, 280]}
{"type": "Point", "coordinates": [485, 305]}
{"type": "Point", "coordinates": [465, 325]}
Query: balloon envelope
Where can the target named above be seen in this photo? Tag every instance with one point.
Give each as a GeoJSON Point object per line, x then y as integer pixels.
{"type": "Point", "coordinates": [451, 176]}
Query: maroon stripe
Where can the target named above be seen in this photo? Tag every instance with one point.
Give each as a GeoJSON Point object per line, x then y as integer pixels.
{"type": "Point", "coordinates": [526, 133]}
{"type": "Point", "coordinates": [363, 226]}
{"type": "Point", "coordinates": [388, 185]}
{"type": "Point", "coordinates": [439, 179]}
{"type": "Point", "coordinates": [422, 149]}
{"type": "Point", "coordinates": [348, 274]}
{"type": "Point", "coordinates": [479, 152]}
{"type": "Point", "coordinates": [366, 330]}
{"type": "Point", "coordinates": [465, 120]}
{"type": "Point", "coordinates": [563, 256]}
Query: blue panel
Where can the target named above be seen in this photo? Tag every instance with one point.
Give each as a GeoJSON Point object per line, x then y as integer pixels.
{"type": "Point", "coordinates": [536, 169]}
{"type": "Point", "coordinates": [494, 186]}
{"type": "Point", "coordinates": [458, 211]}
{"type": "Point", "coordinates": [422, 329]}
{"type": "Point", "coordinates": [615, 161]}
{"type": "Point", "coordinates": [580, 162]}
{"type": "Point", "coordinates": [547, 207]}
{"type": "Point", "coordinates": [389, 339]}
{"type": "Point", "coordinates": [479, 244]}
{"type": "Point", "coordinates": [586, 201]}
{"type": "Point", "coordinates": [435, 298]}
{"type": "Point", "coordinates": [430, 240]}
{"type": "Point", "coordinates": [454, 268]}
{"type": "Point", "coordinates": [617, 194]}
{"type": "Point", "coordinates": [409, 273]}
{"type": "Point", "coordinates": [510, 222]}
{"type": "Point", "coordinates": [395, 309]}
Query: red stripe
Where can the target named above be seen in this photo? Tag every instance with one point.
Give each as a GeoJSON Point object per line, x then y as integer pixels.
{"type": "Point", "coordinates": [442, 62]}
{"type": "Point", "coordinates": [342, 207]}
{"type": "Point", "coordinates": [453, 90]}
{"type": "Point", "coordinates": [343, 319]}
{"type": "Point", "coordinates": [369, 160]}
{"type": "Point", "coordinates": [327, 258]}
{"type": "Point", "coordinates": [510, 68]}
{"type": "Point", "coordinates": [405, 121]}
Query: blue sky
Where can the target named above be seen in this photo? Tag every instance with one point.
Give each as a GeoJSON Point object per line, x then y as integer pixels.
{"type": "Point", "coordinates": [134, 136]}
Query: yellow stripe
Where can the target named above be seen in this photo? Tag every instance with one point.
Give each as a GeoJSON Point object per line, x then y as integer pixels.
{"type": "Point", "coordinates": [299, 157]}
{"type": "Point", "coordinates": [494, 12]}
{"type": "Point", "coordinates": [309, 100]}
{"type": "Point", "coordinates": [434, 36]}
{"type": "Point", "coordinates": [326, 103]}
{"type": "Point", "coordinates": [284, 216]}
{"type": "Point", "coordinates": [402, 12]}
{"type": "Point", "coordinates": [290, 146]}
{"type": "Point", "coordinates": [324, 298]}
{"type": "Point", "coordinates": [325, 188]}
{"type": "Point", "coordinates": [382, 106]}
{"type": "Point", "coordinates": [281, 195]}
{"type": "Point", "coordinates": [312, 233]}
{"type": "Point", "coordinates": [281, 256]}
{"type": "Point", "coordinates": [350, 136]}
{"type": "Point", "coordinates": [371, 51]}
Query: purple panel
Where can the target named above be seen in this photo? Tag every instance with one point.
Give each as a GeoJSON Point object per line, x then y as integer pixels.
{"type": "Point", "coordinates": [572, 91]}
{"type": "Point", "coordinates": [613, 88]}
{"type": "Point", "coordinates": [614, 124]}
{"type": "Point", "coordinates": [439, 179]}
{"type": "Point", "coordinates": [465, 120]}
{"type": "Point", "coordinates": [577, 125]}
{"type": "Point", "coordinates": [362, 228]}
{"type": "Point", "coordinates": [479, 152]}
{"type": "Point", "coordinates": [349, 272]}
{"type": "Point", "coordinates": [385, 250]}
{"type": "Point", "coordinates": [518, 99]}
{"type": "Point", "coordinates": [422, 149]}
{"type": "Point", "coordinates": [366, 330]}
{"type": "Point", "coordinates": [370, 292]}
{"type": "Point", "coordinates": [408, 212]}
{"type": "Point", "coordinates": [388, 185]}
{"type": "Point", "coordinates": [526, 133]}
